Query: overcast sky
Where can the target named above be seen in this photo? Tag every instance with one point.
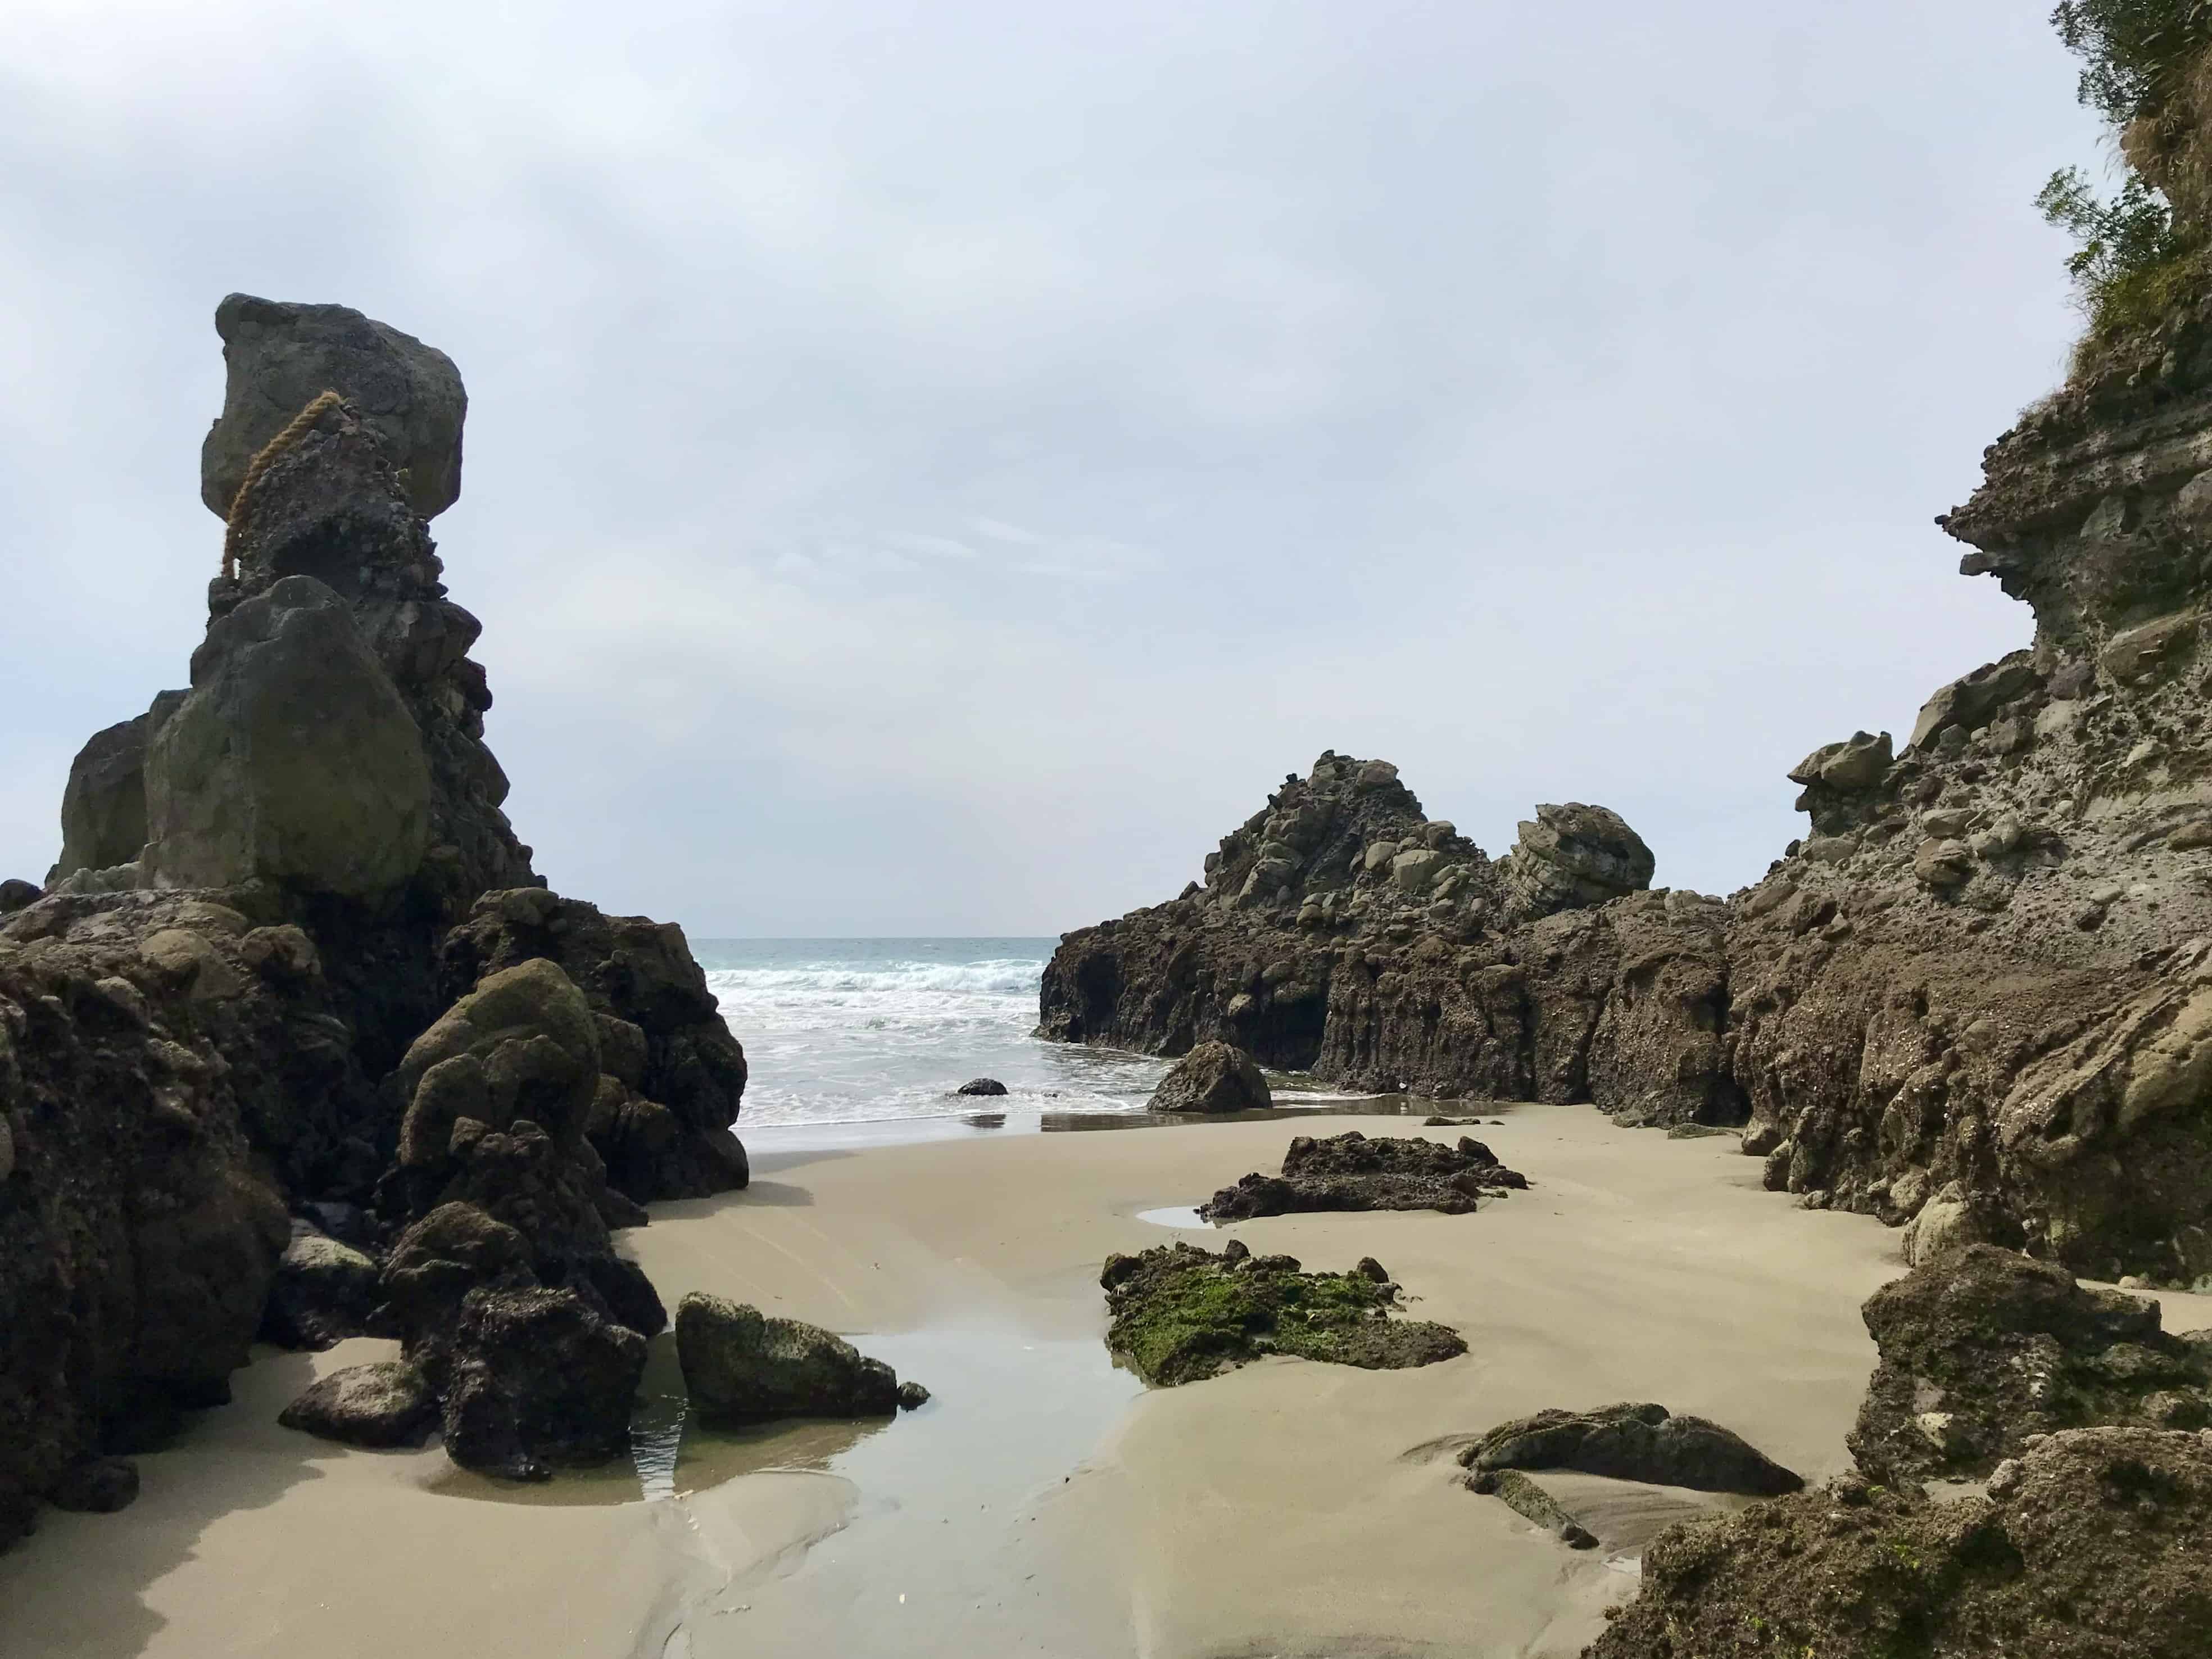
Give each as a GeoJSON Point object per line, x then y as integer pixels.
{"type": "Point", "coordinates": [932, 468]}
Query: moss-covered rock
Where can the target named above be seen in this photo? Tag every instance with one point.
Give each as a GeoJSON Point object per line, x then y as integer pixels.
{"type": "Point", "coordinates": [1181, 1314]}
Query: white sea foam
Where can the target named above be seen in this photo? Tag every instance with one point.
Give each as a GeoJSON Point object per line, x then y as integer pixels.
{"type": "Point", "coordinates": [846, 1031]}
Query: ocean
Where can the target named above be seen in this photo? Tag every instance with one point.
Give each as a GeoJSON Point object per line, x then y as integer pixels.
{"type": "Point", "coordinates": [867, 1030]}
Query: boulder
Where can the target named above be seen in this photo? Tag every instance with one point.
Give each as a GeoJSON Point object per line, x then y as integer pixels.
{"type": "Point", "coordinates": [1214, 1076]}
{"type": "Point", "coordinates": [1852, 767]}
{"type": "Point", "coordinates": [324, 1291]}
{"type": "Point", "coordinates": [15, 893]}
{"type": "Point", "coordinates": [2094, 1543]}
{"type": "Point", "coordinates": [280, 356]}
{"type": "Point", "coordinates": [1351, 1172]}
{"type": "Point", "coordinates": [104, 803]}
{"type": "Point", "coordinates": [744, 1366]}
{"type": "Point", "coordinates": [1571, 857]}
{"type": "Point", "coordinates": [386, 1403]}
{"type": "Point", "coordinates": [1180, 1314]}
{"type": "Point", "coordinates": [1981, 1349]}
{"type": "Point", "coordinates": [982, 1085]}
{"type": "Point", "coordinates": [1626, 1442]}
{"type": "Point", "coordinates": [292, 760]}
{"type": "Point", "coordinates": [533, 1377]}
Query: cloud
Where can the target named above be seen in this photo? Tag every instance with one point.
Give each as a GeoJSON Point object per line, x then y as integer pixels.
{"type": "Point", "coordinates": [932, 469]}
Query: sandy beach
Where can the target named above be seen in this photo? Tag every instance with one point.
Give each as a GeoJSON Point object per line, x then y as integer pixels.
{"type": "Point", "coordinates": [1043, 1503]}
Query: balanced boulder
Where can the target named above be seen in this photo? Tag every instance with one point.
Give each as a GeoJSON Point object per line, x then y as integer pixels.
{"type": "Point", "coordinates": [279, 356]}
{"type": "Point", "coordinates": [1574, 856]}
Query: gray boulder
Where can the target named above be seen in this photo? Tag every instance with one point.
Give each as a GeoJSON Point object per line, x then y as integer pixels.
{"type": "Point", "coordinates": [324, 1291]}
{"type": "Point", "coordinates": [104, 803]}
{"type": "Point", "coordinates": [293, 759]}
{"type": "Point", "coordinates": [1214, 1076]}
{"type": "Point", "coordinates": [281, 356]}
{"type": "Point", "coordinates": [744, 1366]}
{"type": "Point", "coordinates": [1634, 1442]}
{"type": "Point", "coordinates": [1575, 856]}
{"type": "Point", "coordinates": [15, 893]}
{"type": "Point", "coordinates": [388, 1403]}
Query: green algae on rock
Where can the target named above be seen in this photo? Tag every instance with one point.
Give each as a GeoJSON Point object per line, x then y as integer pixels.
{"type": "Point", "coordinates": [1181, 1314]}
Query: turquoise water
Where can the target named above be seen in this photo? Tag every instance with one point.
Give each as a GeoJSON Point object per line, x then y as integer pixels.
{"type": "Point", "coordinates": [852, 1031]}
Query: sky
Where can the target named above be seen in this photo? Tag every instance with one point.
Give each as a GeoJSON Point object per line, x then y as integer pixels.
{"type": "Point", "coordinates": [932, 469]}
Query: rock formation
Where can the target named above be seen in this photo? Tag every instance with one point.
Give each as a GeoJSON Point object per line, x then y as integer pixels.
{"type": "Point", "coordinates": [1628, 1442]}
{"type": "Point", "coordinates": [1343, 930]}
{"type": "Point", "coordinates": [743, 1366]}
{"type": "Point", "coordinates": [1351, 1172]}
{"type": "Point", "coordinates": [295, 1042]}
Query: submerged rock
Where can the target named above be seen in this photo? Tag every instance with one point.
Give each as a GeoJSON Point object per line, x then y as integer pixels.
{"type": "Point", "coordinates": [744, 1366]}
{"type": "Point", "coordinates": [2093, 1543]}
{"type": "Point", "coordinates": [1644, 1442]}
{"type": "Point", "coordinates": [1351, 1172]}
{"type": "Point", "coordinates": [1981, 1349]}
{"type": "Point", "coordinates": [982, 1085]}
{"type": "Point", "coordinates": [1180, 1314]}
{"type": "Point", "coordinates": [1214, 1076]}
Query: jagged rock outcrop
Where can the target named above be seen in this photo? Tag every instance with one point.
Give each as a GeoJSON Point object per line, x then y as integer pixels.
{"type": "Point", "coordinates": [279, 356]}
{"type": "Point", "coordinates": [1343, 930]}
{"type": "Point", "coordinates": [267, 1065]}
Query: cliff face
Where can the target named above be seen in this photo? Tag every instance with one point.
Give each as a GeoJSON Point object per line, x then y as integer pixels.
{"type": "Point", "coordinates": [294, 975]}
{"type": "Point", "coordinates": [1343, 930]}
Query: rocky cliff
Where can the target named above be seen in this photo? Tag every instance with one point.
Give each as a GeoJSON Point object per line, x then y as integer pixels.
{"type": "Point", "coordinates": [293, 1013]}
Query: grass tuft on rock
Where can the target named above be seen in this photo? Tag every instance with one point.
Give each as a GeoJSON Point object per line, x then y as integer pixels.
{"type": "Point", "coordinates": [1181, 1314]}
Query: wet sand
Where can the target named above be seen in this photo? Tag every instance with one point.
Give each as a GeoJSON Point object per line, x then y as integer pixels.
{"type": "Point", "coordinates": [1043, 1503]}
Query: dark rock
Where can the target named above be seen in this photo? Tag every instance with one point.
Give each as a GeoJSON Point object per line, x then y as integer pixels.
{"type": "Point", "coordinates": [280, 356]}
{"type": "Point", "coordinates": [386, 1403]}
{"type": "Point", "coordinates": [324, 1291]}
{"type": "Point", "coordinates": [1634, 1442]}
{"type": "Point", "coordinates": [535, 1378]}
{"type": "Point", "coordinates": [982, 1085]}
{"type": "Point", "coordinates": [663, 1129]}
{"type": "Point", "coordinates": [912, 1397]}
{"type": "Point", "coordinates": [99, 1485]}
{"type": "Point", "coordinates": [293, 759]}
{"type": "Point", "coordinates": [1351, 1172]}
{"type": "Point", "coordinates": [2095, 1545]}
{"type": "Point", "coordinates": [15, 893]}
{"type": "Point", "coordinates": [744, 1366]}
{"type": "Point", "coordinates": [1981, 1349]}
{"type": "Point", "coordinates": [1180, 1314]}
{"type": "Point", "coordinates": [1533, 1503]}
{"type": "Point", "coordinates": [1214, 1076]}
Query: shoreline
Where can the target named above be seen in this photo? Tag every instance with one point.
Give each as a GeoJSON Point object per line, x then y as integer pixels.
{"type": "Point", "coordinates": [1291, 1507]}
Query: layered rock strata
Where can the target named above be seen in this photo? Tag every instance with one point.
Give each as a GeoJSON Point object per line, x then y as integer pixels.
{"type": "Point", "coordinates": [293, 1043]}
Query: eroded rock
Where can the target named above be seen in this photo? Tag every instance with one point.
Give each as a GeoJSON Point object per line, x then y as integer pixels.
{"type": "Point", "coordinates": [1351, 1172]}
{"type": "Point", "coordinates": [1214, 1076]}
{"type": "Point", "coordinates": [741, 1365]}
{"type": "Point", "coordinates": [1644, 1442]}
